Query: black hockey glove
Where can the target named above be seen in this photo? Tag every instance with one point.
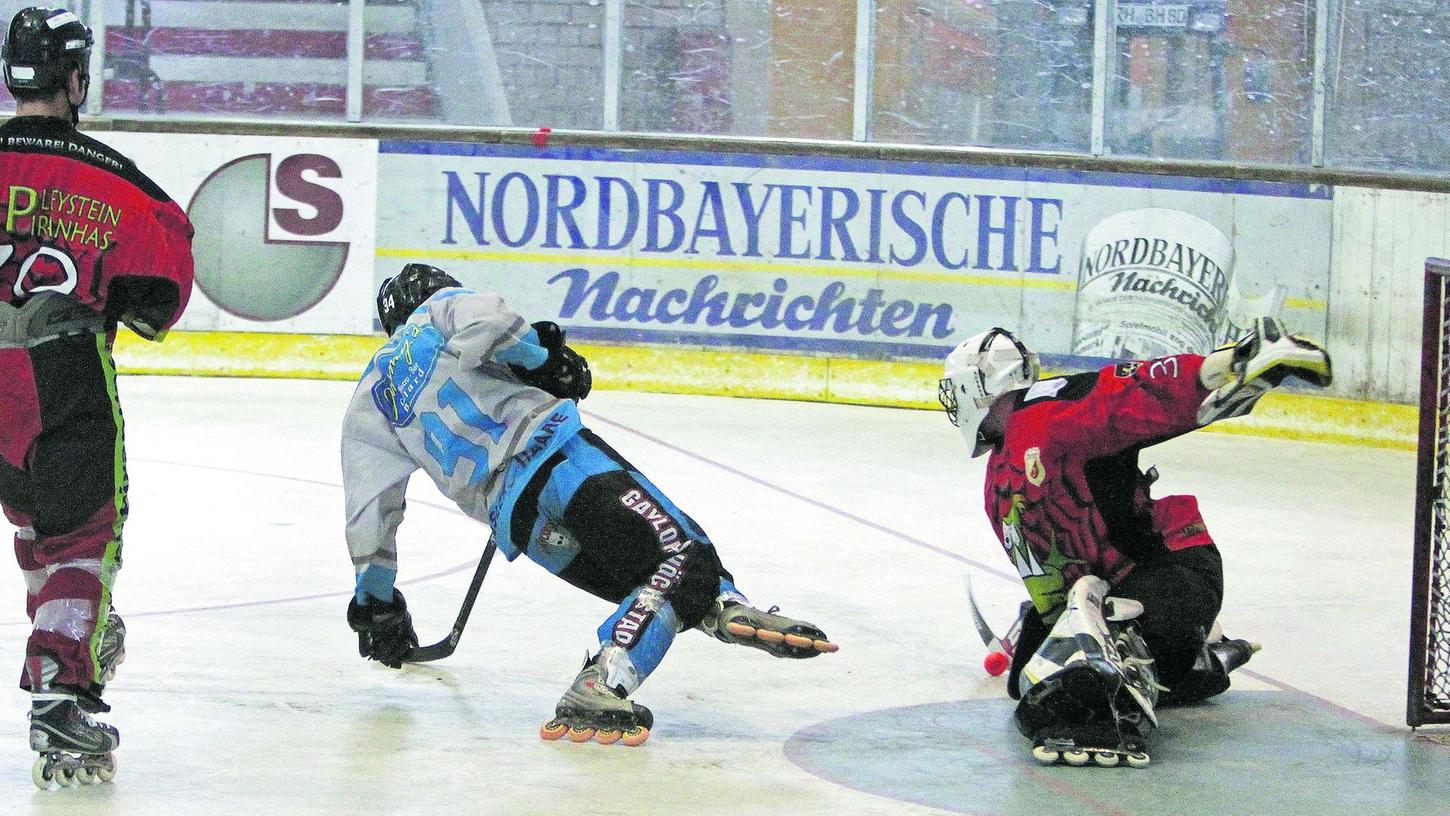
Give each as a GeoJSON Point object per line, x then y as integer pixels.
{"type": "Point", "coordinates": [384, 630]}
{"type": "Point", "coordinates": [551, 336]}
{"type": "Point", "coordinates": [565, 374]}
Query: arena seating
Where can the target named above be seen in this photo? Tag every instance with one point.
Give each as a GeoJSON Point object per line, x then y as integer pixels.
{"type": "Point", "coordinates": [283, 58]}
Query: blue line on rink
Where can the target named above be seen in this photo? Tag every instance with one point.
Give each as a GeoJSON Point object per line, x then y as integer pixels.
{"type": "Point", "coordinates": [944, 169]}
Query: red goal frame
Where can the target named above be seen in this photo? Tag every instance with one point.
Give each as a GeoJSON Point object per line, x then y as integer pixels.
{"type": "Point", "coordinates": [1428, 699]}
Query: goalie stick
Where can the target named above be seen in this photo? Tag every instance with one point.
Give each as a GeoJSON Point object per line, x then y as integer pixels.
{"type": "Point", "coordinates": [445, 647]}
{"type": "Point", "coordinates": [1004, 644]}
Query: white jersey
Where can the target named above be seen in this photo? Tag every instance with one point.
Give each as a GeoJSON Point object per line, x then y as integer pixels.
{"type": "Point", "coordinates": [440, 396]}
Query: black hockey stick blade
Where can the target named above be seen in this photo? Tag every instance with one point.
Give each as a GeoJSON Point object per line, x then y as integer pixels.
{"type": "Point", "coordinates": [445, 647]}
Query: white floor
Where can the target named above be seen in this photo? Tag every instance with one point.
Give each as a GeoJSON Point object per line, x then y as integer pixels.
{"type": "Point", "coordinates": [243, 692]}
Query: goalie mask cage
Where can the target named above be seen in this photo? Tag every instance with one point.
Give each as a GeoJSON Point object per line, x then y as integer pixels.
{"type": "Point", "coordinates": [1429, 686]}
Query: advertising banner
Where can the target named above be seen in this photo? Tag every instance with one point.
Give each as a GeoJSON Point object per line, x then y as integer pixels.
{"type": "Point", "coordinates": [861, 258]}
{"type": "Point", "coordinates": [1152, 282]}
{"type": "Point", "coordinates": [284, 227]}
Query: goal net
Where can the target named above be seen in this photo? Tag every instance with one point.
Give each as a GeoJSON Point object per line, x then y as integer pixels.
{"type": "Point", "coordinates": [1429, 686]}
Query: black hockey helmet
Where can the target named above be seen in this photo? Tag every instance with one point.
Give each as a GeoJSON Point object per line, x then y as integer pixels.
{"type": "Point", "coordinates": [406, 291]}
{"type": "Point", "coordinates": [41, 48]}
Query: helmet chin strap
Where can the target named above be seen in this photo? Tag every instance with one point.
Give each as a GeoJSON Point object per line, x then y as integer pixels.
{"type": "Point", "coordinates": [75, 107]}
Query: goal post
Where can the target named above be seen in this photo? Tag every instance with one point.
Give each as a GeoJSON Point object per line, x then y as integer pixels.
{"type": "Point", "coordinates": [1429, 681]}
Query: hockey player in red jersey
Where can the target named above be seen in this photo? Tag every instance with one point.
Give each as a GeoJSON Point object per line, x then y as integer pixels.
{"type": "Point", "coordinates": [1125, 587]}
{"type": "Point", "coordinates": [89, 242]}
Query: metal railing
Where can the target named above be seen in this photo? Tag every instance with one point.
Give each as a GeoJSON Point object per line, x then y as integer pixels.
{"type": "Point", "coordinates": [1244, 171]}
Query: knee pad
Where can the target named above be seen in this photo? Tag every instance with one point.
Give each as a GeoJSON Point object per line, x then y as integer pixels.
{"type": "Point", "coordinates": [698, 583]}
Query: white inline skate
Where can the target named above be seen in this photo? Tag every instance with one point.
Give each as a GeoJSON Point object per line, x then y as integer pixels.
{"type": "Point", "coordinates": [1088, 692]}
{"type": "Point", "coordinates": [594, 709]}
{"type": "Point", "coordinates": [732, 620]}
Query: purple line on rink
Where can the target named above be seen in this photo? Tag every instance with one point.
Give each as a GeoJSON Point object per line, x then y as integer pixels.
{"type": "Point", "coordinates": [467, 565]}
{"type": "Point", "coordinates": [880, 528]}
{"type": "Point", "coordinates": [1348, 713]}
{"type": "Point", "coordinates": [910, 539]}
{"type": "Point", "coordinates": [453, 570]}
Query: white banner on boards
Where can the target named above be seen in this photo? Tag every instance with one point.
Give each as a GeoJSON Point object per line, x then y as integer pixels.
{"type": "Point", "coordinates": [855, 257]}
{"type": "Point", "coordinates": [284, 227]}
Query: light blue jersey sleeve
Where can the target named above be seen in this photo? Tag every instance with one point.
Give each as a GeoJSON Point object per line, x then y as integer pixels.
{"type": "Point", "coordinates": [375, 473]}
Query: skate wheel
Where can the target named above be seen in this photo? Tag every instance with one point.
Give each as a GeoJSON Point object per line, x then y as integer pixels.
{"type": "Point", "coordinates": [85, 776]}
{"type": "Point", "coordinates": [635, 736]}
{"type": "Point", "coordinates": [41, 773]}
{"type": "Point", "coordinates": [1105, 759]}
{"type": "Point", "coordinates": [578, 734]}
{"type": "Point", "coordinates": [606, 737]}
{"type": "Point", "coordinates": [107, 772]}
{"type": "Point", "coordinates": [1045, 755]}
{"type": "Point", "coordinates": [1138, 760]}
{"type": "Point", "coordinates": [553, 729]}
{"type": "Point", "coordinates": [767, 636]}
{"type": "Point", "coordinates": [1077, 759]}
{"type": "Point", "coordinates": [65, 776]}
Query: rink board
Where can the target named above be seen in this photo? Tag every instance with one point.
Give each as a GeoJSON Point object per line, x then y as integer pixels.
{"type": "Point", "coordinates": [1231, 755]}
{"type": "Point", "coordinates": [853, 258]}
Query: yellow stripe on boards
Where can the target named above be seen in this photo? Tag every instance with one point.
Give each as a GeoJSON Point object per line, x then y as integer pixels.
{"type": "Point", "coordinates": [676, 370]}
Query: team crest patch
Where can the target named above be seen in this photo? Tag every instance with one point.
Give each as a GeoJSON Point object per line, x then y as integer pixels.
{"type": "Point", "coordinates": [1126, 369]}
{"type": "Point", "coordinates": [1032, 460]}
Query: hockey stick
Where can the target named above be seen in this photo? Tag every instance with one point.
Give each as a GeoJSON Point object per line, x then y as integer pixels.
{"type": "Point", "coordinates": [984, 631]}
{"type": "Point", "coordinates": [445, 647]}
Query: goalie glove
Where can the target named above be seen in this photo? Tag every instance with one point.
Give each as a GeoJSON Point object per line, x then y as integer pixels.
{"type": "Point", "coordinates": [1260, 360]}
{"type": "Point", "coordinates": [565, 373]}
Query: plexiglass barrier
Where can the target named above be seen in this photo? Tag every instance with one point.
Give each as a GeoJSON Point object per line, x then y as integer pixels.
{"type": "Point", "coordinates": [1346, 83]}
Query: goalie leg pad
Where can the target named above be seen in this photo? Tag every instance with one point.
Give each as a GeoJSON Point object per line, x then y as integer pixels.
{"type": "Point", "coordinates": [1090, 680]}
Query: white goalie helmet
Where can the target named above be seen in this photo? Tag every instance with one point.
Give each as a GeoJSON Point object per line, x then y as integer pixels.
{"type": "Point", "coordinates": [978, 371]}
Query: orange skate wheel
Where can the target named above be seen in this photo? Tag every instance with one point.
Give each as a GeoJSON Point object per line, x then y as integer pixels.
{"type": "Point", "coordinates": [800, 642]}
{"type": "Point", "coordinates": [553, 729]}
{"type": "Point", "coordinates": [635, 736]}
{"type": "Point", "coordinates": [740, 629]}
{"type": "Point", "coordinates": [580, 734]}
{"type": "Point", "coordinates": [767, 636]}
{"type": "Point", "coordinates": [604, 737]}
{"type": "Point", "coordinates": [825, 646]}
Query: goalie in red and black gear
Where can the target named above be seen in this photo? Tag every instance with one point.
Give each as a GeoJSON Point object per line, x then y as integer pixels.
{"type": "Point", "coordinates": [89, 242]}
{"type": "Point", "coordinates": [1066, 496]}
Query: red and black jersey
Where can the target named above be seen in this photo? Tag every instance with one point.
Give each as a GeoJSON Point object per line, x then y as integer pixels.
{"type": "Point", "coordinates": [1063, 489]}
{"type": "Point", "coordinates": [81, 220]}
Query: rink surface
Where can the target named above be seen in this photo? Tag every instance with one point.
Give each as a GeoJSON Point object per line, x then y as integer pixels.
{"type": "Point", "coordinates": [243, 693]}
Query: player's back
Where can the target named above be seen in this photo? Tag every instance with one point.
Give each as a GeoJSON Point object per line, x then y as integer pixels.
{"type": "Point", "coordinates": [1037, 496]}
{"type": "Point", "coordinates": [79, 216]}
{"type": "Point", "coordinates": [1063, 489]}
{"type": "Point", "coordinates": [435, 394]}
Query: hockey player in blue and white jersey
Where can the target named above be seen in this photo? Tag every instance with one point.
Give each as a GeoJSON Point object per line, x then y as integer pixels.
{"type": "Point", "coordinates": [484, 403]}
